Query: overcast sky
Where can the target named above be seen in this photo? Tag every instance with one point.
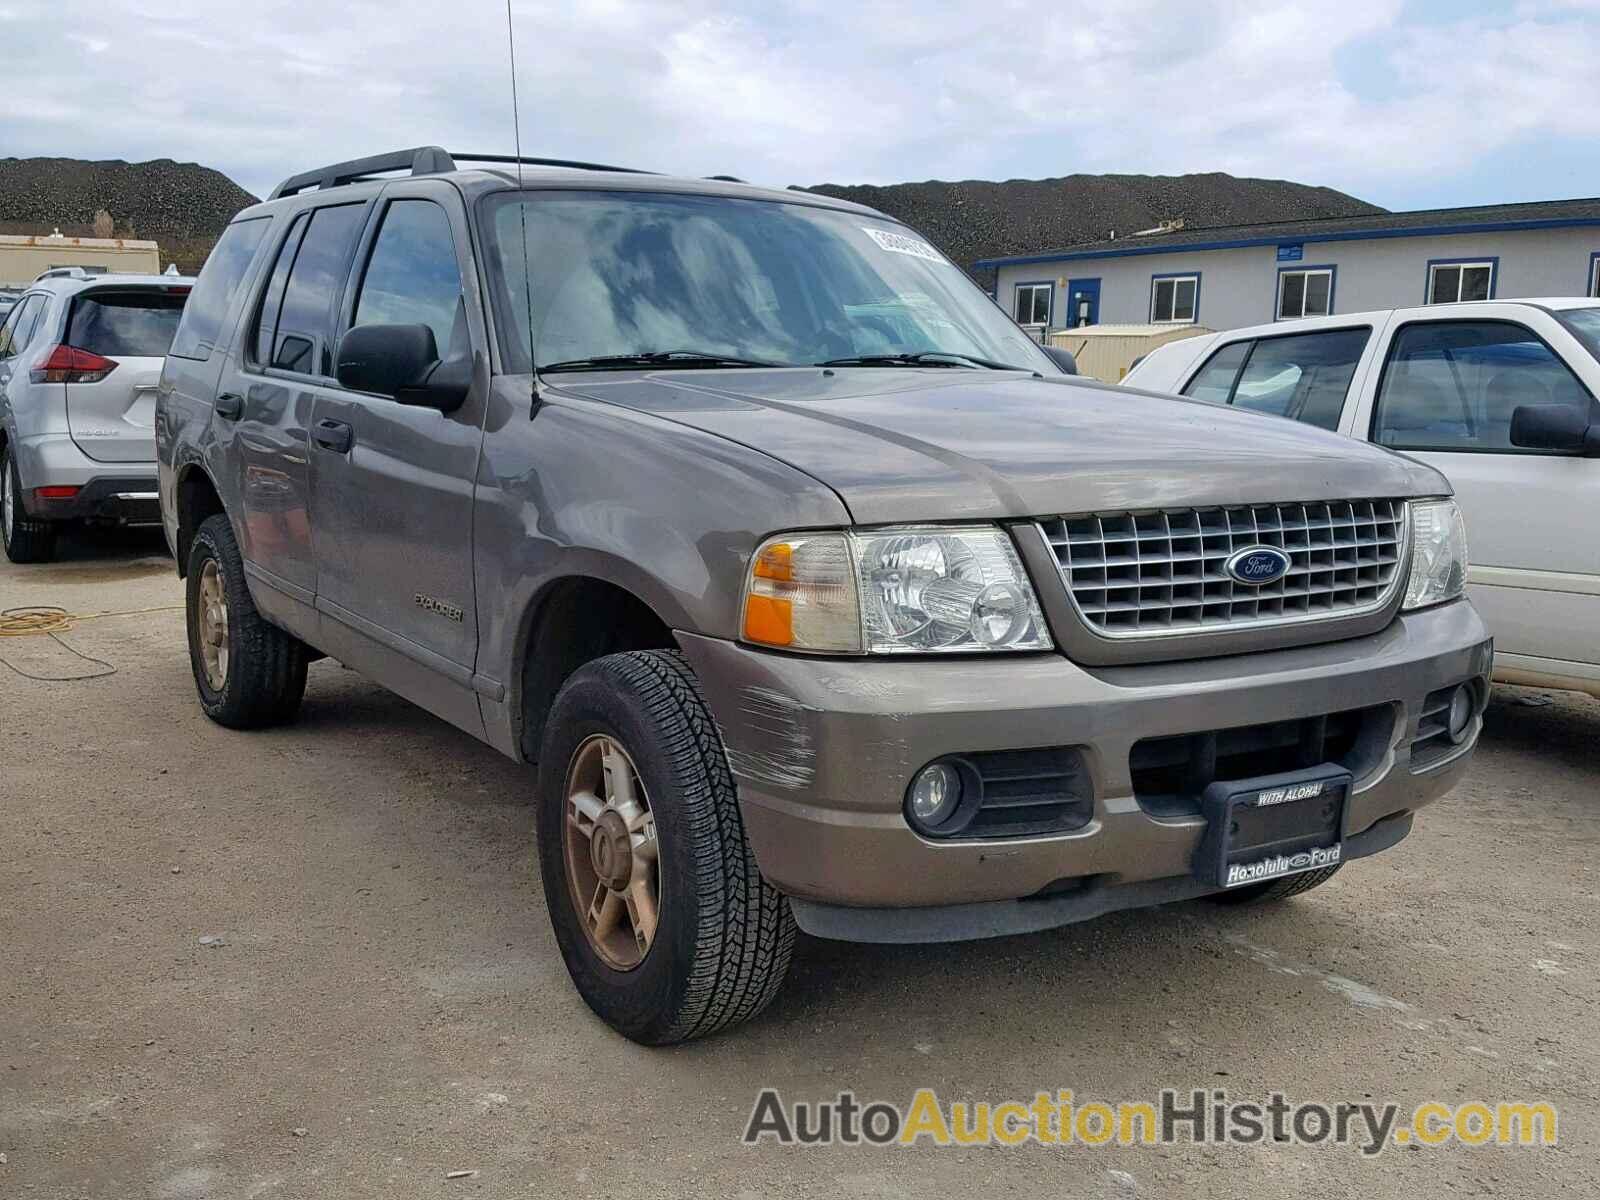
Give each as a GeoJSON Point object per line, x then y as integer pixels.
{"type": "Point", "coordinates": [1407, 104]}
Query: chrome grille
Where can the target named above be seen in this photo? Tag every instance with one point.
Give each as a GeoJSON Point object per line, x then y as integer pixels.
{"type": "Point", "coordinates": [1145, 574]}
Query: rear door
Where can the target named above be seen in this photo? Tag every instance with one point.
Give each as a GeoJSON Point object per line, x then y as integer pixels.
{"type": "Point", "coordinates": [111, 402]}
{"type": "Point", "coordinates": [286, 362]}
{"type": "Point", "coordinates": [1446, 394]}
{"type": "Point", "coordinates": [393, 510]}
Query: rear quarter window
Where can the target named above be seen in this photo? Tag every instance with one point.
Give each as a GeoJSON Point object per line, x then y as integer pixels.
{"type": "Point", "coordinates": [128, 325]}
{"type": "Point", "coordinates": [209, 304]}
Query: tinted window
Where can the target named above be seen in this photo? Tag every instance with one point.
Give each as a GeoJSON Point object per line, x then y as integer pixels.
{"type": "Point", "coordinates": [1453, 385]}
{"type": "Point", "coordinates": [272, 298]}
{"type": "Point", "coordinates": [1583, 324]}
{"type": "Point", "coordinates": [1303, 377]}
{"type": "Point", "coordinates": [1215, 381]}
{"type": "Point", "coordinates": [304, 337]}
{"type": "Point", "coordinates": [125, 326]}
{"type": "Point", "coordinates": [201, 326]}
{"type": "Point", "coordinates": [412, 278]}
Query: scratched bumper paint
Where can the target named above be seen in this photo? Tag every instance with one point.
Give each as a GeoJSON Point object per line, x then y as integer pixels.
{"type": "Point", "coordinates": [823, 750]}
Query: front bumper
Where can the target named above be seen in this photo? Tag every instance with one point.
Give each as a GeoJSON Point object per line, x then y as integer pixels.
{"type": "Point", "coordinates": [823, 750]}
{"type": "Point", "coordinates": [120, 492]}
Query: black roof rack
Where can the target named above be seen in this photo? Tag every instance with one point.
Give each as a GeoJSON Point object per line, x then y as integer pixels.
{"type": "Point", "coordinates": [422, 160]}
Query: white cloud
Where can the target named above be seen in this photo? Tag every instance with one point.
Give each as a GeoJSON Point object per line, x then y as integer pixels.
{"type": "Point", "coordinates": [1356, 95]}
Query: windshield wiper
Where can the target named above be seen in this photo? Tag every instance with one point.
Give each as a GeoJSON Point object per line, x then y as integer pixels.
{"type": "Point", "coordinates": [923, 358]}
{"type": "Point", "coordinates": [655, 358]}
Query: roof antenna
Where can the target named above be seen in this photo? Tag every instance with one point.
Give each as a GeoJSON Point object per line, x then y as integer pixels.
{"type": "Point", "coordinates": [522, 211]}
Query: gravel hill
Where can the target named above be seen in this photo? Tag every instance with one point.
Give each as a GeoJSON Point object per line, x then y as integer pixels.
{"type": "Point", "coordinates": [976, 219]}
{"type": "Point", "coordinates": [183, 206]}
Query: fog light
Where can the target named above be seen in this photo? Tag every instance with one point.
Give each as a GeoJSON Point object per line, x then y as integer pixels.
{"type": "Point", "coordinates": [1463, 707]}
{"type": "Point", "coordinates": [935, 794]}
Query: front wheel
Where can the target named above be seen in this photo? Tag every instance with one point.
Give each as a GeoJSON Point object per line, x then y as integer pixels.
{"type": "Point", "coordinates": [665, 923]}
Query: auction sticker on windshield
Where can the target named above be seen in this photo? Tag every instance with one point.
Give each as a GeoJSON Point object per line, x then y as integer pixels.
{"type": "Point", "coordinates": [903, 243]}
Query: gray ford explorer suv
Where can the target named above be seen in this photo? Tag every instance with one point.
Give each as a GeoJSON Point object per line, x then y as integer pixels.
{"type": "Point", "coordinates": [817, 592]}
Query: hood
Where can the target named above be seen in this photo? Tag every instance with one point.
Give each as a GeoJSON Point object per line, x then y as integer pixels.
{"type": "Point", "coordinates": [946, 443]}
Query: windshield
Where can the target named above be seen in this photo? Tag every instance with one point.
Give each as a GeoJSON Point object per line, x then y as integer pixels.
{"type": "Point", "coordinates": [1584, 323]}
{"type": "Point", "coordinates": [628, 274]}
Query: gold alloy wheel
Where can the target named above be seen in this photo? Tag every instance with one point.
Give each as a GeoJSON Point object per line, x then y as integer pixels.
{"type": "Point", "coordinates": [613, 873]}
{"type": "Point", "coordinates": [213, 620]}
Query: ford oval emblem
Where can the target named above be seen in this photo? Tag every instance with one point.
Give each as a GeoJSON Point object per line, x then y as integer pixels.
{"type": "Point", "coordinates": [1258, 565]}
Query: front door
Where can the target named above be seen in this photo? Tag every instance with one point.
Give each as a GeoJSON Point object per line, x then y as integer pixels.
{"type": "Point", "coordinates": [392, 484]}
{"type": "Point", "coordinates": [1083, 303]}
{"type": "Point", "coordinates": [1446, 395]}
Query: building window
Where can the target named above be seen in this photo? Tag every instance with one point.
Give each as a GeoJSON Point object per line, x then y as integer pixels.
{"type": "Point", "coordinates": [1305, 292]}
{"type": "Point", "coordinates": [1450, 282]}
{"type": "Point", "coordinates": [1033, 303]}
{"type": "Point", "coordinates": [1594, 275]}
{"type": "Point", "coordinates": [1174, 299]}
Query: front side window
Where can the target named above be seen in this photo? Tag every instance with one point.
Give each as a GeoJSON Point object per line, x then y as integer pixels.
{"type": "Point", "coordinates": [1174, 299]}
{"type": "Point", "coordinates": [1449, 283]}
{"type": "Point", "coordinates": [201, 327]}
{"type": "Point", "coordinates": [303, 339]}
{"type": "Point", "coordinates": [1033, 303]}
{"type": "Point", "coordinates": [125, 324]}
{"type": "Point", "coordinates": [1305, 293]}
{"type": "Point", "coordinates": [590, 275]}
{"type": "Point", "coordinates": [412, 277]}
{"type": "Point", "coordinates": [1454, 385]}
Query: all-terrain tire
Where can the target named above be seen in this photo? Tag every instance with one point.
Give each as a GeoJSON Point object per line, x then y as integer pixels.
{"type": "Point", "coordinates": [27, 540]}
{"type": "Point", "coordinates": [1275, 890]}
{"type": "Point", "coordinates": [725, 936]}
{"type": "Point", "coordinates": [265, 678]}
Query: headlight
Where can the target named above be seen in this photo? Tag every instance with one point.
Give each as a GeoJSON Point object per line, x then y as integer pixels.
{"type": "Point", "coordinates": [892, 591]}
{"type": "Point", "coordinates": [1438, 553]}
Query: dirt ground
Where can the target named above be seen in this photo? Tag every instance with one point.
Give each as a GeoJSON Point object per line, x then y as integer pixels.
{"type": "Point", "coordinates": [315, 962]}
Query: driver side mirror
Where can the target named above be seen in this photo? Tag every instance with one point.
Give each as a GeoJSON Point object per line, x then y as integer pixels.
{"type": "Point", "coordinates": [402, 362]}
{"type": "Point", "coordinates": [1062, 358]}
{"type": "Point", "coordinates": [1555, 427]}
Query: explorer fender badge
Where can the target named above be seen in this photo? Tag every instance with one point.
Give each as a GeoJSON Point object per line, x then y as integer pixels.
{"type": "Point", "coordinates": [438, 607]}
{"type": "Point", "coordinates": [1258, 566]}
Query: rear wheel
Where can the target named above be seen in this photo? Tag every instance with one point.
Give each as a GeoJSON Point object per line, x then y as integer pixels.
{"type": "Point", "coordinates": [248, 672]}
{"type": "Point", "coordinates": [1275, 890]}
{"type": "Point", "coordinates": [666, 925]}
{"type": "Point", "coordinates": [26, 540]}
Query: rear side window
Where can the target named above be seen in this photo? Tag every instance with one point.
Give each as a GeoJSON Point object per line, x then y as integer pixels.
{"type": "Point", "coordinates": [209, 303]}
{"type": "Point", "coordinates": [1303, 377]}
{"type": "Point", "coordinates": [1216, 378]}
{"type": "Point", "coordinates": [19, 325]}
{"type": "Point", "coordinates": [127, 325]}
{"type": "Point", "coordinates": [412, 277]}
{"type": "Point", "coordinates": [303, 339]}
{"type": "Point", "coordinates": [1454, 385]}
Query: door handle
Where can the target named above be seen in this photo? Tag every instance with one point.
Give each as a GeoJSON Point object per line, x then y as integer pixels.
{"type": "Point", "coordinates": [229, 405]}
{"type": "Point", "coordinates": [334, 435]}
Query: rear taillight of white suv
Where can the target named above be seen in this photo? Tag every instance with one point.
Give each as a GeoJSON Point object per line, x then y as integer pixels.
{"type": "Point", "coordinates": [68, 364]}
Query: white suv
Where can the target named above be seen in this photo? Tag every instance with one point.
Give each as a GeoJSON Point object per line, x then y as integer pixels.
{"type": "Point", "coordinates": [80, 360]}
{"type": "Point", "coordinates": [1500, 395]}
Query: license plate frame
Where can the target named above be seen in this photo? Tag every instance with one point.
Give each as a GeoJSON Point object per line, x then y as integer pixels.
{"type": "Point", "coordinates": [1272, 826]}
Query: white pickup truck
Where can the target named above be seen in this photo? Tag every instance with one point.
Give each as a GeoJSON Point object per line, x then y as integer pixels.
{"type": "Point", "coordinates": [1500, 395]}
